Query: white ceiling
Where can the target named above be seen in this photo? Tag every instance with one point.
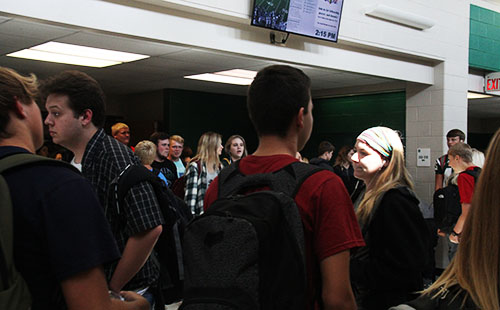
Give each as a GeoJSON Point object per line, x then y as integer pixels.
{"type": "Point", "coordinates": [164, 69]}
{"type": "Point", "coordinates": [484, 108]}
{"type": "Point", "coordinates": [168, 64]}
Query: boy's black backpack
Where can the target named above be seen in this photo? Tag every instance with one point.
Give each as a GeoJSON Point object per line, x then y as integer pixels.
{"type": "Point", "coordinates": [14, 293]}
{"type": "Point", "coordinates": [176, 215]}
{"type": "Point", "coordinates": [247, 251]}
{"type": "Point", "coordinates": [447, 207]}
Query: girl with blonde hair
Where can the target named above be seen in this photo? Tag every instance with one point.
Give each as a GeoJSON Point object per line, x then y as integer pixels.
{"type": "Point", "coordinates": [388, 270]}
{"type": "Point", "coordinates": [471, 280]}
{"type": "Point", "coordinates": [202, 169]}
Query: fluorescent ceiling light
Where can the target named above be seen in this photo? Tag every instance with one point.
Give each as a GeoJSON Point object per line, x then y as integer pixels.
{"type": "Point", "coordinates": [235, 76]}
{"type": "Point", "coordinates": [76, 55]}
{"type": "Point", "coordinates": [477, 95]}
{"type": "Point", "coordinates": [65, 59]}
{"type": "Point", "coordinates": [247, 74]}
{"type": "Point", "coordinates": [220, 79]}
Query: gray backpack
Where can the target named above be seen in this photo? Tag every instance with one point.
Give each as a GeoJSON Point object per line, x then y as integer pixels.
{"type": "Point", "coordinates": [246, 251]}
{"type": "Point", "coordinates": [14, 292]}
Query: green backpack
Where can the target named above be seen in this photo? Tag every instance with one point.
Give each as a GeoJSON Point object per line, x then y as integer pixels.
{"type": "Point", "coordinates": [14, 292]}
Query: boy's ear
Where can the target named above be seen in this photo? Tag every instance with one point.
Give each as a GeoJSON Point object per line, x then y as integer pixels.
{"type": "Point", "coordinates": [86, 117]}
{"type": "Point", "coordinates": [300, 118]}
{"type": "Point", "coordinates": [19, 109]}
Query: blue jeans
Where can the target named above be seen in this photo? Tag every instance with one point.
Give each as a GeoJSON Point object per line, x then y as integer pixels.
{"type": "Point", "coordinates": [150, 298]}
{"type": "Point", "coordinates": [452, 248]}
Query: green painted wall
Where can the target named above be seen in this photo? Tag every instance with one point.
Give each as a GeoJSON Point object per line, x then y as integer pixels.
{"type": "Point", "coordinates": [484, 39]}
{"type": "Point", "coordinates": [339, 120]}
{"type": "Point", "coordinates": [191, 113]}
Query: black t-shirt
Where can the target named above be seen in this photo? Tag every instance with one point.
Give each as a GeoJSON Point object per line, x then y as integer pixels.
{"type": "Point", "coordinates": [59, 228]}
{"type": "Point", "coordinates": [168, 168]}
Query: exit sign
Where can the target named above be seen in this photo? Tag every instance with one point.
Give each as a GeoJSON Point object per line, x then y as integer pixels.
{"type": "Point", "coordinates": [492, 83]}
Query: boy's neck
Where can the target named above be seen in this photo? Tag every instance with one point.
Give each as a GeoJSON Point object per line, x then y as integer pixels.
{"type": "Point", "coordinates": [274, 145]}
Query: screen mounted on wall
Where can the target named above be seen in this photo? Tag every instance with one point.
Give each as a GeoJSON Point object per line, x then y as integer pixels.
{"type": "Point", "coordinates": [313, 18]}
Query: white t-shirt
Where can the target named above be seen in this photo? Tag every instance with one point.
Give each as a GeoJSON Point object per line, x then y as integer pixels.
{"type": "Point", "coordinates": [77, 166]}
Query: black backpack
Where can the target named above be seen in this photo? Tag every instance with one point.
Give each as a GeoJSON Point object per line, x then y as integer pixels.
{"type": "Point", "coordinates": [176, 215]}
{"type": "Point", "coordinates": [247, 250]}
{"type": "Point", "coordinates": [14, 293]}
{"type": "Point", "coordinates": [447, 207]}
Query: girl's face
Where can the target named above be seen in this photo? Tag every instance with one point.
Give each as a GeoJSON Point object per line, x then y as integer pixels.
{"type": "Point", "coordinates": [366, 162]}
{"type": "Point", "coordinates": [237, 148]}
{"type": "Point", "coordinates": [220, 148]}
{"type": "Point", "coordinates": [349, 155]}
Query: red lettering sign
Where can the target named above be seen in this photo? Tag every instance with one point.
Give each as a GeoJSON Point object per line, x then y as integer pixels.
{"type": "Point", "coordinates": [492, 84]}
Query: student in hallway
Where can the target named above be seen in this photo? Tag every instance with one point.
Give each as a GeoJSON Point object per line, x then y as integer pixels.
{"type": "Point", "coordinates": [460, 159]}
{"type": "Point", "coordinates": [202, 169]}
{"type": "Point", "coordinates": [76, 111]}
{"type": "Point", "coordinates": [61, 236]}
{"type": "Point", "coordinates": [388, 271]}
{"type": "Point", "coordinates": [442, 167]}
{"type": "Point", "coordinates": [176, 146]}
{"type": "Point", "coordinates": [471, 280]}
{"type": "Point", "coordinates": [280, 108]}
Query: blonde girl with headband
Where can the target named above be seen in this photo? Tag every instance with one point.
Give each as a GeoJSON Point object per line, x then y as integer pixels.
{"type": "Point", "coordinates": [388, 270]}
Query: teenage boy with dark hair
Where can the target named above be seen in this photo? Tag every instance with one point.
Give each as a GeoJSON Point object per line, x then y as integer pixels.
{"type": "Point", "coordinates": [280, 107]}
{"type": "Point", "coordinates": [442, 168]}
{"type": "Point", "coordinates": [76, 106]}
{"type": "Point", "coordinates": [325, 153]}
{"type": "Point", "coordinates": [61, 236]}
{"type": "Point", "coordinates": [161, 162]}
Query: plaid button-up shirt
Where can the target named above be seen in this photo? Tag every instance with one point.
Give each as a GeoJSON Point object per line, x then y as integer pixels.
{"type": "Point", "coordinates": [102, 162]}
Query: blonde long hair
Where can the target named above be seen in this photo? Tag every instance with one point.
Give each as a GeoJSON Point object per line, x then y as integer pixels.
{"type": "Point", "coordinates": [208, 145]}
{"type": "Point", "coordinates": [475, 267]}
{"type": "Point", "coordinates": [393, 175]}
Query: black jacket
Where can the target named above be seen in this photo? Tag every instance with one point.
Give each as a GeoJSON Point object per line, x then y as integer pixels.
{"type": "Point", "coordinates": [388, 270]}
{"type": "Point", "coordinates": [323, 163]}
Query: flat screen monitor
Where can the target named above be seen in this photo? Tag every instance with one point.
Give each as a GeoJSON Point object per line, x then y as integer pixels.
{"type": "Point", "coordinates": [313, 18]}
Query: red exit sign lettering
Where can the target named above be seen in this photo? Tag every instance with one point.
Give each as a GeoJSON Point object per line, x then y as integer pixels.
{"type": "Point", "coordinates": [492, 83]}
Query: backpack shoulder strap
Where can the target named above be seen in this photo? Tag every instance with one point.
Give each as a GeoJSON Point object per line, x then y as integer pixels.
{"type": "Point", "coordinates": [198, 163]}
{"type": "Point", "coordinates": [289, 179]}
{"type": "Point", "coordinates": [21, 159]}
{"type": "Point", "coordinates": [130, 176]}
{"type": "Point", "coordinates": [474, 173]}
{"type": "Point", "coordinates": [229, 172]}
{"type": "Point", "coordinates": [6, 234]}
{"type": "Point", "coordinates": [6, 212]}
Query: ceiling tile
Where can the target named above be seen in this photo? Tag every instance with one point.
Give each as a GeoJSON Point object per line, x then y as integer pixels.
{"type": "Point", "coordinates": [218, 60]}
{"type": "Point", "coordinates": [40, 32]}
{"type": "Point", "coordinates": [121, 44]}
